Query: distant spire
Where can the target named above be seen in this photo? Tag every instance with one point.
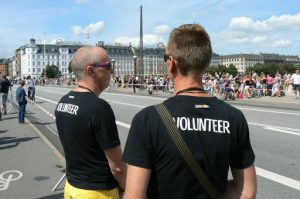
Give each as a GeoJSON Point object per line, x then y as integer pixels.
{"type": "Point", "coordinates": [141, 66]}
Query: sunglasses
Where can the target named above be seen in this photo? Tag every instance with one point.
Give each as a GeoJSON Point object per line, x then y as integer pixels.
{"type": "Point", "coordinates": [166, 57]}
{"type": "Point", "coordinates": [106, 65]}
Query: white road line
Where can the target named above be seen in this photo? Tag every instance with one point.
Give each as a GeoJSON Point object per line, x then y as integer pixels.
{"type": "Point", "coordinates": [123, 124]}
{"type": "Point", "coordinates": [282, 131]}
{"type": "Point", "coordinates": [53, 102]}
{"type": "Point", "coordinates": [134, 105]}
{"type": "Point", "coordinates": [272, 127]}
{"type": "Point", "coordinates": [266, 111]}
{"type": "Point", "coordinates": [278, 178]}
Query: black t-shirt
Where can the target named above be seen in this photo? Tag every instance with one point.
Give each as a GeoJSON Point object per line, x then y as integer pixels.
{"type": "Point", "coordinates": [86, 127]}
{"type": "Point", "coordinates": [218, 137]}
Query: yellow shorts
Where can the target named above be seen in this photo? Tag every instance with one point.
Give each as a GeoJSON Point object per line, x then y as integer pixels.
{"type": "Point", "coordinates": [71, 192]}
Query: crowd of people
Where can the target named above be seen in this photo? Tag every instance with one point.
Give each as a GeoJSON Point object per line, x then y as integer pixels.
{"type": "Point", "coordinates": [226, 86]}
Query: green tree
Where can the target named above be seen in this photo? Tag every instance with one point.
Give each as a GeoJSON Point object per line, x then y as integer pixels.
{"type": "Point", "coordinates": [43, 72]}
{"type": "Point", "coordinates": [232, 70]}
{"type": "Point", "coordinates": [271, 69]}
{"type": "Point", "coordinates": [52, 71]}
{"type": "Point", "coordinates": [211, 69]}
{"type": "Point", "coordinates": [70, 68]}
{"type": "Point", "coordinates": [221, 69]}
{"type": "Point", "coordinates": [286, 68]}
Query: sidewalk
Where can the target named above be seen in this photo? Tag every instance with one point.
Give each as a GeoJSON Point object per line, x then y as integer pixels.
{"type": "Point", "coordinates": [29, 168]}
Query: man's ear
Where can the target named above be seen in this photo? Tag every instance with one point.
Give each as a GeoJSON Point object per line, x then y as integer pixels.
{"type": "Point", "coordinates": [172, 67]}
{"type": "Point", "coordinates": [89, 70]}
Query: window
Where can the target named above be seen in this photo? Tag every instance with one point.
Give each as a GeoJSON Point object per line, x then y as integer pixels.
{"type": "Point", "coordinates": [39, 70]}
{"type": "Point", "coordinates": [29, 70]}
{"type": "Point", "coordinates": [33, 70]}
{"type": "Point", "coordinates": [33, 56]}
{"type": "Point", "coordinates": [33, 63]}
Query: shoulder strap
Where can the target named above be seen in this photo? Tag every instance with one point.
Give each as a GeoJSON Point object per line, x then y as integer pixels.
{"type": "Point", "coordinates": [185, 152]}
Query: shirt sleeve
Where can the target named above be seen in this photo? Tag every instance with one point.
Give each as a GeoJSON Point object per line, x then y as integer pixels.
{"type": "Point", "coordinates": [137, 150]}
{"type": "Point", "coordinates": [243, 155]}
{"type": "Point", "coordinates": [105, 128]}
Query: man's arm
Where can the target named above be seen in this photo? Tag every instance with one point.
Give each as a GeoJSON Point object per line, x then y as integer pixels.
{"type": "Point", "coordinates": [243, 185]}
{"type": "Point", "coordinates": [137, 182]}
{"type": "Point", "coordinates": [117, 167]}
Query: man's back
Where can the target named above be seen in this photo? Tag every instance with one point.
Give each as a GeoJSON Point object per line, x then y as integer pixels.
{"type": "Point", "coordinates": [216, 133]}
{"type": "Point", "coordinates": [84, 122]}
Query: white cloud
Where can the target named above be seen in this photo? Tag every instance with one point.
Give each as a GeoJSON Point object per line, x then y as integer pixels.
{"type": "Point", "coordinates": [283, 23]}
{"type": "Point", "coordinates": [281, 43]}
{"type": "Point", "coordinates": [259, 39]}
{"type": "Point", "coordinates": [273, 32]}
{"type": "Point", "coordinates": [81, 1]}
{"type": "Point", "coordinates": [91, 29]}
{"type": "Point", "coordinates": [163, 29]}
{"type": "Point", "coordinates": [148, 39]}
{"type": "Point", "coordinates": [55, 41]}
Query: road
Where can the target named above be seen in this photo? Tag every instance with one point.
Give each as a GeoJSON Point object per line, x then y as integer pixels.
{"type": "Point", "coordinates": [274, 132]}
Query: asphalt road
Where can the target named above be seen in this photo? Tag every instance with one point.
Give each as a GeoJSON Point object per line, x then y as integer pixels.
{"type": "Point", "coordinates": [274, 132]}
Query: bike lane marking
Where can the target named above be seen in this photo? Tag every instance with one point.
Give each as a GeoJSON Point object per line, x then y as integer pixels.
{"type": "Point", "coordinates": [5, 181]}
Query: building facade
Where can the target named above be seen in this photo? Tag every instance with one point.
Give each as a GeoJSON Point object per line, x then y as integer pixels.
{"type": "Point", "coordinates": [35, 57]}
{"type": "Point", "coordinates": [3, 67]}
{"type": "Point", "coordinates": [242, 61]}
{"type": "Point", "coordinates": [126, 60]}
{"type": "Point", "coordinates": [215, 60]}
{"type": "Point", "coordinates": [32, 58]}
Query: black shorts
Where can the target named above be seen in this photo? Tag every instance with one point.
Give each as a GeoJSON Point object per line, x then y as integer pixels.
{"type": "Point", "coordinates": [296, 87]}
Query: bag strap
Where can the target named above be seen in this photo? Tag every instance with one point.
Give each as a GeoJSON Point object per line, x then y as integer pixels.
{"type": "Point", "coordinates": [185, 152]}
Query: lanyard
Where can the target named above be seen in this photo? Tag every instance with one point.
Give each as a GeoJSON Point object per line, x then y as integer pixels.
{"type": "Point", "coordinates": [191, 90]}
{"type": "Point", "coordinates": [86, 88]}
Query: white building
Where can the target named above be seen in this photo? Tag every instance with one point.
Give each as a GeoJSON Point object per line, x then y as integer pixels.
{"type": "Point", "coordinates": [35, 57]}
{"type": "Point", "coordinates": [242, 61]}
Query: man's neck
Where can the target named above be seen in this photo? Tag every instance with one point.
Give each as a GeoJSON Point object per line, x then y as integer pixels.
{"type": "Point", "coordinates": [190, 81]}
{"type": "Point", "coordinates": [88, 86]}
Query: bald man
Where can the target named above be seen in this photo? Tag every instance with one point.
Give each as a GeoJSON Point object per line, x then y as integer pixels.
{"type": "Point", "coordinates": [88, 132]}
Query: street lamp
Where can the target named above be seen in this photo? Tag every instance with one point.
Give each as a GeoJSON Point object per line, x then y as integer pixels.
{"type": "Point", "coordinates": [113, 61]}
{"type": "Point", "coordinates": [134, 65]}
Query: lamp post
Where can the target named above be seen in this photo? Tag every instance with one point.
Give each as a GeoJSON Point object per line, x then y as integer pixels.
{"type": "Point", "coordinates": [134, 65]}
{"type": "Point", "coordinates": [113, 61]}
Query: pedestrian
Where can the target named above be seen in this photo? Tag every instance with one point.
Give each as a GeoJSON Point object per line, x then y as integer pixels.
{"type": "Point", "coordinates": [31, 88]}
{"type": "Point", "coordinates": [215, 133]}
{"type": "Point", "coordinates": [5, 86]}
{"type": "Point", "coordinates": [87, 130]}
{"type": "Point", "coordinates": [296, 83]}
{"type": "Point", "coordinates": [22, 101]}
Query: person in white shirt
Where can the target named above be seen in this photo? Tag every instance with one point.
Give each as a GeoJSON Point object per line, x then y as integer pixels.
{"type": "Point", "coordinates": [296, 83]}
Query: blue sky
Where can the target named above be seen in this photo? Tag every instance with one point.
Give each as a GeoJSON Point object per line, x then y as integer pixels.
{"type": "Point", "coordinates": [234, 26]}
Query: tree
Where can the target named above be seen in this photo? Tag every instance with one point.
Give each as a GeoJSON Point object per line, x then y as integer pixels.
{"type": "Point", "coordinates": [221, 69]}
{"type": "Point", "coordinates": [232, 70]}
{"type": "Point", "coordinates": [211, 69]}
{"type": "Point", "coordinates": [286, 68]}
{"type": "Point", "coordinates": [271, 69]}
{"type": "Point", "coordinates": [52, 71]}
{"type": "Point", "coordinates": [70, 68]}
